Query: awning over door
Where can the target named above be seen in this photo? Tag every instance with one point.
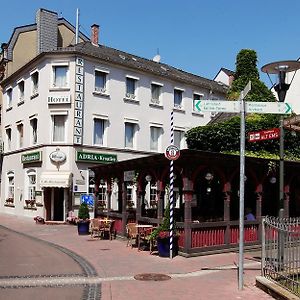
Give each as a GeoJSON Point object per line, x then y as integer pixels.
{"type": "Point", "coordinates": [55, 179]}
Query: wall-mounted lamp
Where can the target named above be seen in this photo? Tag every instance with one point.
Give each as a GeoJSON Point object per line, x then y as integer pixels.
{"type": "Point", "coordinates": [209, 176]}
{"type": "Point", "coordinates": [148, 178]}
{"type": "Point", "coordinates": [272, 179]}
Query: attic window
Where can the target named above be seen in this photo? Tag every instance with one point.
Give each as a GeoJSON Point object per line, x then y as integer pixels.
{"type": "Point", "coordinates": [122, 56]}
{"type": "Point", "coordinates": [133, 58]}
{"type": "Point", "coordinates": [163, 68]}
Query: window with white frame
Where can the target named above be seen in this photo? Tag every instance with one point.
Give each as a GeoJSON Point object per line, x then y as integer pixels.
{"type": "Point", "coordinates": [101, 195]}
{"type": "Point", "coordinates": [20, 128]}
{"type": "Point", "coordinates": [178, 98]}
{"type": "Point", "coordinates": [178, 138]}
{"type": "Point", "coordinates": [10, 187]}
{"type": "Point", "coordinates": [131, 87]}
{"type": "Point", "coordinates": [155, 93]}
{"type": "Point", "coordinates": [91, 175]}
{"type": "Point", "coordinates": [59, 127]}
{"type": "Point", "coordinates": [21, 88]}
{"type": "Point", "coordinates": [99, 131]}
{"type": "Point", "coordinates": [153, 195]}
{"type": "Point", "coordinates": [130, 129]}
{"type": "Point", "coordinates": [8, 138]}
{"type": "Point", "coordinates": [31, 186]}
{"type": "Point", "coordinates": [60, 76]}
{"type": "Point", "coordinates": [129, 195]}
{"type": "Point", "coordinates": [35, 83]}
{"type": "Point", "coordinates": [155, 133]}
{"type": "Point", "coordinates": [196, 97]}
{"type": "Point", "coordinates": [33, 125]}
{"type": "Point", "coordinates": [102, 192]}
{"type": "Point", "coordinates": [9, 97]}
{"type": "Point", "coordinates": [100, 81]}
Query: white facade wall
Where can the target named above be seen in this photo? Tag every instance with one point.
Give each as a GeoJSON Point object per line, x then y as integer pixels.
{"type": "Point", "coordinates": [222, 77]}
{"type": "Point", "coordinates": [113, 108]}
{"type": "Point", "coordinates": [293, 94]}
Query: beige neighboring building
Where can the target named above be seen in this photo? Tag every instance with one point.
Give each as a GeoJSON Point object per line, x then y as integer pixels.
{"type": "Point", "coordinates": [67, 107]}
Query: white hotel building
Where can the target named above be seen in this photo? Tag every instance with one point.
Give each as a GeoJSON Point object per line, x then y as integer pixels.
{"type": "Point", "coordinates": [67, 107]}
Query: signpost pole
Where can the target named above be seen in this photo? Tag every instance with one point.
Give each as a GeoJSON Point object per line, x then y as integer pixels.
{"type": "Point", "coordinates": [242, 186]}
{"type": "Point", "coordinates": [281, 164]}
{"type": "Point", "coordinates": [171, 190]}
{"type": "Point", "coordinates": [242, 192]}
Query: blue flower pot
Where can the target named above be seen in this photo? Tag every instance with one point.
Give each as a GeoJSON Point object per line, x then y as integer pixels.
{"type": "Point", "coordinates": [163, 247]}
{"type": "Point", "coordinates": [83, 228]}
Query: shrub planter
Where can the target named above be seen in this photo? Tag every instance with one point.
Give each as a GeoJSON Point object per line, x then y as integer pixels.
{"type": "Point", "coordinates": [163, 247]}
{"type": "Point", "coordinates": [83, 228]}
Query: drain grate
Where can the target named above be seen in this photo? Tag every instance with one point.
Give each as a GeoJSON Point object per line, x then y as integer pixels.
{"type": "Point", "coordinates": [152, 277]}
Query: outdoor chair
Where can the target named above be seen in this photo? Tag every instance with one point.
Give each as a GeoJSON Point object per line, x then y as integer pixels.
{"type": "Point", "coordinates": [132, 234]}
{"type": "Point", "coordinates": [146, 238]}
{"type": "Point", "coordinates": [152, 242]}
{"type": "Point", "coordinates": [107, 228]}
{"type": "Point", "coordinates": [95, 228]}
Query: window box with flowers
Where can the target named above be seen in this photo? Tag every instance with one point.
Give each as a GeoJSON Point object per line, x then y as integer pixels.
{"type": "Point", "coordinates": [101, 204]}
{"type": "Point", "coordinates": [9, 202]}
{"type": "Point", "coordinates": [30, 204]}
{"type": "Point", "coordinates": [130, 204]}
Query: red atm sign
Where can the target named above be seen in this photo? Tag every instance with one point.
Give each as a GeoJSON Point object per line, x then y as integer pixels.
{"type": "Point", "coordinates": [269, 134]}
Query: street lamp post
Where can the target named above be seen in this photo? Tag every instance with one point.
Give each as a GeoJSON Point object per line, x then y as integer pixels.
{"type": "Point", "coordinates": [281, 68]}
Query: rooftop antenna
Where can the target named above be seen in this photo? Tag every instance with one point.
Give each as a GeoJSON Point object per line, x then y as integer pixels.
{"type": "Point", "coordinates": [77, 26]}
{"type": "Point", "coordinates": [157, 57]}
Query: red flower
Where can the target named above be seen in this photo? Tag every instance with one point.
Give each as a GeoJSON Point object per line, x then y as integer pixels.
{"type": "Point", "coordinates": [163, 234]}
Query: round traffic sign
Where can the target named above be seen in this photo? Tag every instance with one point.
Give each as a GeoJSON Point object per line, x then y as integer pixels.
{"type": "Point", "coordinates": [172, 152]}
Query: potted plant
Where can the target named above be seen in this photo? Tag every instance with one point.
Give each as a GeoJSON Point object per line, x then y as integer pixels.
{"type": "Point", "coordinates": [162, 236]}
{"type": "Point", "coordinates": [83, 222]}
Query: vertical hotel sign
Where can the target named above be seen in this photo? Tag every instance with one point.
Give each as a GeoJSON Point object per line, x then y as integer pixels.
{"type": "Point", "coordinates": [79, 101]}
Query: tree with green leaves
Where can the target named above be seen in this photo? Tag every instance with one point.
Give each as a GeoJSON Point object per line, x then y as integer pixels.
{"type": "Point", "coordinates": [246, 69]}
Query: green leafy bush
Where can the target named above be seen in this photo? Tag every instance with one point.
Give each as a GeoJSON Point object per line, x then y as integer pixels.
{"type": "Point", "coordinates": [163, 230]}
{"type": "Point", "coordinates": [83, 212]}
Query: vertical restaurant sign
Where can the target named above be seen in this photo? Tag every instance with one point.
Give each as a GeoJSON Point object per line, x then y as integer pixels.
{"type": "Point", "coordinates": [79, 101]}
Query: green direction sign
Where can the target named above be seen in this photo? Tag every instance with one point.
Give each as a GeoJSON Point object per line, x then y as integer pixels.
{"type": "Point", "coordinates": [217, 106]}
{"type": "Point", "coordinates": [95, 157]}
{"type": "Point", "coordinates": [250, 107]}
{"type": "Point", "coordinates": [31, 157]}
{"type": "Point", "coordinates": [268, 107]}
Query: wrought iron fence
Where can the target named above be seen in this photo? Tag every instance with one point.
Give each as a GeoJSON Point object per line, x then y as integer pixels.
{"type": "Point", "coordinates": [281, 252]}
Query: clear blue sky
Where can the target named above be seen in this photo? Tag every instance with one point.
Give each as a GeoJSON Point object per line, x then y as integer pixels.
{"type": "Point", "coordinates": [197, 36]}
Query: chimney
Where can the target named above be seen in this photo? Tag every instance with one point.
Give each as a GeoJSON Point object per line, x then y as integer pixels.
{"type": "Point", "coordinates": [95, 34]}
{"type": "Point", "coordinates": [4, 48]}
{"type": "Point", "coordinates": [47, 30]}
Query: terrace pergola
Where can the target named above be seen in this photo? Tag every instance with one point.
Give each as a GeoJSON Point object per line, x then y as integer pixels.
{"type": "Point", "coordinates": [206, 192]}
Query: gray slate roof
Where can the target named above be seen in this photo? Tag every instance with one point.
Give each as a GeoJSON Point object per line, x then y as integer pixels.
{"type": "Point", "coordinates": [129, 60]}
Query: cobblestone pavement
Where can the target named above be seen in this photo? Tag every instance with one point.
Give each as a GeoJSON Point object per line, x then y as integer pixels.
{"type": "Point", "coordinates": [86, 268]}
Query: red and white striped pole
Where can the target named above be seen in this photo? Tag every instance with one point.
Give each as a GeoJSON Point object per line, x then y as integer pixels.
{"type": "Point", "coordinates": [171, 191]}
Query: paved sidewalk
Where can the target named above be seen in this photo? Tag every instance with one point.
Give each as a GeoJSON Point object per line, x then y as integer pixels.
{"type": "Point", "coordinates": [205, 277]}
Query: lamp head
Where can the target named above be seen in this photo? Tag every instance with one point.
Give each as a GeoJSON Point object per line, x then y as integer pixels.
{"type": "Point", "coordinates": [280, 68]}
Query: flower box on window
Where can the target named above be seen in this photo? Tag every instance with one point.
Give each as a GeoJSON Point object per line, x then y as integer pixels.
{"type": "Point", "coordinates": [153, 203]}
{"type": "Point", "coordinates": [101, 203]}
{"type": "Point", "coordinates": [9, 200]}
{"type": "Point", "coordinates": [130, 204]}
{"type": "Point", "coordinates": [30, 203]}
